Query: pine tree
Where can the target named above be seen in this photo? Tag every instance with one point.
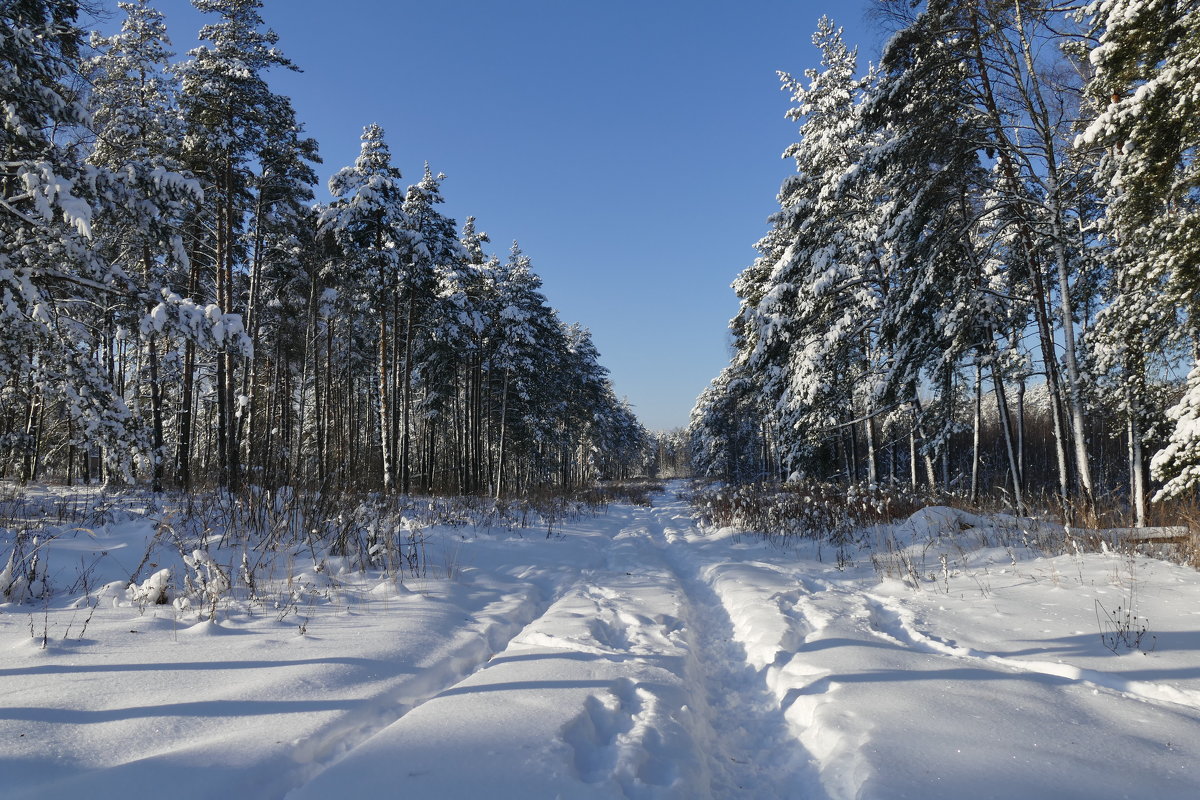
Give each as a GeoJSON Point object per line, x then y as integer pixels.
{"type": "Point", "coordinates": [517, 333]}
{"type": "Point", "coordinates": [231, 118]}
{"type": "Point", "coordinates": [804, 327]}
{"type": "Point", "coordinates": [1147, 67]}
{"type": "Point", "coordinates": [45, 224]}
{"type": "Point", "coordinates": [435, 248]}
{"type": "Point", "coordinates": [58, 349]}
{"type": "Point", "coordinates": [138, 135]}
{"type": "Point", "coordinates": [282, 288]}
{"type": "Point", "coordinates": [373, 234]}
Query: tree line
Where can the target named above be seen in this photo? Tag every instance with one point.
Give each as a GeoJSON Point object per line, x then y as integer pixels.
{"type": "Point", "coordinates": [174, 307]}
{"type": "Point", "coordinates": [1005, 207]}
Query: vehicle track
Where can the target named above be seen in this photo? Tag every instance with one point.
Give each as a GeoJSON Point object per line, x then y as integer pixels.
{"type": "Point", "coordinates": [508, 617]}
{"type": "Point", "coordinates": [751, 747]}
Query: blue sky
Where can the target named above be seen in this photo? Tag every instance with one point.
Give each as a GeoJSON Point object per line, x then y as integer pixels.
{"type": "Point", "coordinates": [632, 147]}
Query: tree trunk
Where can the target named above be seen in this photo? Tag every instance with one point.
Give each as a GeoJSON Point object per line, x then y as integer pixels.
{"type": "Point", "coordinates": [1014, 468]}
{"type": "Point", "coordinates": [912, 454]}
{"type": "Point", "coordinates": [872, 455]}
{"type": "Point", "coordinates": [976, 431]}
{"type": "Point", "coordinates": [156, 460]}
{"type": "Point", "coordinates": [406, 400]}
{"type": "Point", "coordinates": [385, 429]}
{"type": "Point", "coordinates": [1137, 466]}
{"type": "Point", "coordinates": [503, 425]}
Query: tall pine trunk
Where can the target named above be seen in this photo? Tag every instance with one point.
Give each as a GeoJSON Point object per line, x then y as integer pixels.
{"type": "Point", "coordinates": [385, 429]}
{"type": "Point", "coordinates": [503, 428]}
{"type": "Point", "coordinates": [976, 430]}
{"type": "Point", "coordinates": [1014, 468]}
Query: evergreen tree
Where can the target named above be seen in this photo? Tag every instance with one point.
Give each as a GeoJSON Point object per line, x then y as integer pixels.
{"type": "Point", "coordinates": [84, 241]}
{"type": "Point", "coordinates": [138, 135]}
{"type": "Point", "coordinates": [435, 249]}
{"type": "Point", "coordinates": [47, 348]}
{"type": "Point", "coordinates": [231, 118]}
{"type": "Point", "coordinates": [374, 240]}
{"type": "Point", "coordinates": [1147, 65]}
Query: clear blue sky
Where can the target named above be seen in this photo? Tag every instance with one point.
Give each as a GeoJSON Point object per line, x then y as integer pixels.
{"type": "Point", "coordinates": [631, 146]}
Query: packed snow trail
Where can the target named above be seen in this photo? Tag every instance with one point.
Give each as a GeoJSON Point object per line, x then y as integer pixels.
{"type": "Point", "coordinates": [628, 685]}
{"type": "Point", "coordinates": [696, 666]}
{"type": "Point", "coordinates": [629, 655]}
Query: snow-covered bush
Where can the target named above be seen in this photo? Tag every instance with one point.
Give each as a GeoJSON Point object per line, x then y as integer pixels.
{"type": "Point", "coordinates": [24, 573]}
{"type": "Point", "coordinates": [207, 579]}
{"type": "Point", "coordinates": [152, 591]}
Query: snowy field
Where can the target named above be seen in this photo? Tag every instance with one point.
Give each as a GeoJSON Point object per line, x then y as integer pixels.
{"type": "Point", "coordinates": [630, 654]}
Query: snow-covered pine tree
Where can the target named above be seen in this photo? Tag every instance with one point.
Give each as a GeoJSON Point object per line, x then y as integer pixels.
{"type": "Point", "coordinates": [47, 348]}
{"type": "Point", "coordinates": [725, 429]}
{"type": "Point", "coordinates": [1147, 68]}
{"type": "Point", "coordinates": [373, 238]}
{"type": "Point", "coordinates": [928, 163]}
{"type": "Point", "coordinates": [803, 332]}
{"type": "Point", "coordinates": [586, 407]}
{"type": "Point", "coordinates": [435, 250]}
{"type": "Point", "coordinates": [60, 219]}
{"type": "Point", "coordinates": [465, 297]}
{"type": "Point", "coordinates": [282, 295]}
{"type": "Point", "coordinates": [990, 76]}
{"type": "Point", "coordinates": [138, 135]}
{"type": "Point", "coordinates": [231, 119]}
{"type": "Point", "coordinates": [520, 333]}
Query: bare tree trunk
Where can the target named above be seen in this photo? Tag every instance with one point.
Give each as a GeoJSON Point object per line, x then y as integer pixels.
{"type": "Point", "coordinates": [853, 449]}
{"type": "Point", "coordinates": [1014, 468]}
{"type": "Point", "coordinates": [1020, 425]}
{"type": "Point", "coordinates": [872, 455]}
{"type": "Point", "coordinates": [927, 457]}
{"type": "Point", "coordinates": [33, 438]}
{"type": "Point", "coordinates": [406, 400]}
{"type": "Point", "coordinates": [385, 429]}
{"type": "Point", "coordinates": [1137, 466]}
{"type": "Point", "coordinates": [503, 425]}
{"type": "Point", "coordinates": [1074, 396]}
{"type": "Point", "coordinates": [183, 448]}
{"type": "Point", "coordinates": [156, 482]}
{"type": "Point", "coordinates": [70, 451]}
{"type": "Point", "coordinates": [976, 430]}
{"type": "Point", "coordinates": [912, 454]}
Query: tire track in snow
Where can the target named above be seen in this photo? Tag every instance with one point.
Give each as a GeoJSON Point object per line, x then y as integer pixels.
{"type": "Point", "coordinates": [507, 618]}
{"type": "Point", "coordinates": [778, 615]}
{"type": "Point", "coordinates": [713, 730]}
{"type": "Point", "coordinates": [888, 619]}
{"type": "Point", "coordinates": [751, 746]}
{"type": "Point", "coordinates": [589, 695]}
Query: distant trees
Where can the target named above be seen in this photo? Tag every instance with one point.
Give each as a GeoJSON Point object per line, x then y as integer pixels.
{"type": "Point", "coordinates": [1006, 199]}
{"type": "Point", "coordinates": [174, 307]}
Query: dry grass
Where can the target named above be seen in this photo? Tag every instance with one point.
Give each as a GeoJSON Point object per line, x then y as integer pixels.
{"type": "Point", "coordinates": [834, 512]}
{"type": "Point", "coordinates": [809, 510]}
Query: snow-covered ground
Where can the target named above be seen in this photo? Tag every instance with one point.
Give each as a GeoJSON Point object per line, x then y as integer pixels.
{"type": "Point", "coordinates": [629, 655]}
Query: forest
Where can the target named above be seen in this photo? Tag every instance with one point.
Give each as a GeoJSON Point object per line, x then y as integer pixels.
{"type": "Point", "coordinates": [310, 498]}
{"type": "Point", "coordinates": [177, 310]}
{"type": "Point", "coordinates": [984, 275]}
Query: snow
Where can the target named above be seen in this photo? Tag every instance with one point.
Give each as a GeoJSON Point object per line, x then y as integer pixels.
{"type": "Point", "coordinates": [628, 654]}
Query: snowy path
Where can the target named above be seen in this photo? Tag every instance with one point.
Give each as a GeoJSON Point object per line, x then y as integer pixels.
{"type": "Point", "coordinates": [627, 685]}
{"type": "Point", "coordinates": [629, 656]}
